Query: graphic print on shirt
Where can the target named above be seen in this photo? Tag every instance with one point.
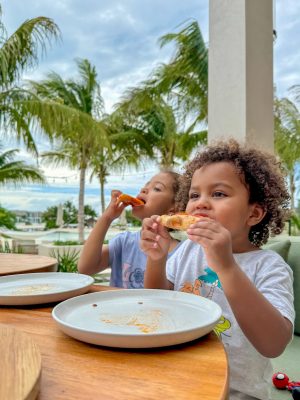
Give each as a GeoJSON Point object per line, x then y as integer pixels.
{"type": "Point", "coordinates": [192, 288]}
{"type": "Point", "coordinates": [222, 326]}
{"type": "Point", "coordinates": [211, 281]}
{"type": "Point", "coordinates": [133, 277]}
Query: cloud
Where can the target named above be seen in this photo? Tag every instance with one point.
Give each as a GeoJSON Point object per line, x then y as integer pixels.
{"type": "Point", "coordinates": [121, 39]}
{"type": "Point", "coordinates": [286, 49]}
{"type": "Point", "coordinates": [60, 190]}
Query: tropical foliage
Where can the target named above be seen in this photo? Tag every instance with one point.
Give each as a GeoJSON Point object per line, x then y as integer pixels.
{"type": "Point", "coordinates": [168, 109]}
{"type": "Point", "coordinates": [163, 119]}
{"type": "Point", "coordinates": [153, 117]}
{"type": "Point", "coordinates": [18, 52]}
{"type": "Point", "coordinates": [127, 148]}
{"type": "Point", "coordinates": [185, 77]}
{"type": "Point", "coordinates": [287, 140]}
{"type": "Point", "coordinates": [7, 218]}
{"type": "Point", "coordinates": [17, 172]}
{"type": "Point", "coordinates": [70, 213]}
{"type": "Point", "coordinates": [131, 219]}
{"type": "Point", "coordinates": [67, 260]}
{"type": "Point", "coordinates": [84, 132]}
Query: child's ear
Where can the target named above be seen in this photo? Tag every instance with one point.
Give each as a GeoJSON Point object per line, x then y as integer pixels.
{"type": "Point", "coordinates": [257, 213]}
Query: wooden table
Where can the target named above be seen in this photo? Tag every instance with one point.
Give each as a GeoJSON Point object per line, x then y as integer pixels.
{"type": "Point", "coordinates": [21, 365]}
{"type": "Point", "coordinates": [11, 263]}
{"type": "Point", "coordinates": [77, 370]}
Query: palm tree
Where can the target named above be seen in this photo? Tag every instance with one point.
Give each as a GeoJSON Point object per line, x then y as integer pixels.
{"type": "Point", "coordinates": [17, 172]}
{"type": "Point", "coordinates": [84, 132]}
{"type": "Point", "coordinates": [185, 77]}
{"type": "Point", "coordinates": [18, 52]}
{"type": "Point", "coordinates": [287, 139]}
{"type": "Point", "coordinates": [128, 148]}
{"type": "Point", "coordinates": [104, 162]}
{"type": "Point", "coordinates": [169, 108]}
{"type": "Point", "coordinates": [149, 113]}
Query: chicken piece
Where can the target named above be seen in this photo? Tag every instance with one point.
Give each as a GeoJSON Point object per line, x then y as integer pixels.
{"type": "Point", "coordinates": [129, 200]}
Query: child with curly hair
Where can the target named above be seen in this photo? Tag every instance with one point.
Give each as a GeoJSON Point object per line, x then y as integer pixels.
{"type": "Point", "coordinates": [123, 253]}
{"type": "Point", "coordinates": [241, 196]}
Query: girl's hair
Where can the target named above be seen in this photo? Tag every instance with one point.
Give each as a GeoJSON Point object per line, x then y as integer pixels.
{"type": "Point", "coordinates": [176, 179]}
{"type": "Point", "coordinates": [261, 173]}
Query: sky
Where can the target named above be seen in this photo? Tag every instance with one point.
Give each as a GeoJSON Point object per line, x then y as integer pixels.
{"type": "Point", "coordinates": [120, 38]}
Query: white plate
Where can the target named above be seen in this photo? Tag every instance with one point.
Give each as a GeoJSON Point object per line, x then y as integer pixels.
{"type": "Point", "coordinates": [137, 318]}
{"type": "Point", "coordinates": [42, 287]}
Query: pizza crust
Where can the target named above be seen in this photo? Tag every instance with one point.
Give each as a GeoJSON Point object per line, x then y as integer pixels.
{"type": "Point", "coordinates": [180, 221]}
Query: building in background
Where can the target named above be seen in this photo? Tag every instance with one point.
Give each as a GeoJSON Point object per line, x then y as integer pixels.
{"type": "Point", "coordinates": [28, 218]}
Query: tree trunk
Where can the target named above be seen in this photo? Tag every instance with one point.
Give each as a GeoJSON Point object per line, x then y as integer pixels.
{"type": "Point", "coordinates": [292, 189]}
{"type": "Point", "coordinates": [102, 197]}
{"type": "Point", "coordinates": [81, 205]}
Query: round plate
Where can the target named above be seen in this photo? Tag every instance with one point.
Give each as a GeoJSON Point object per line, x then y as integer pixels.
{"type": "Point", "coordinates": [138, 318]}
{"type": "Point", "coordinates": [44, 287]}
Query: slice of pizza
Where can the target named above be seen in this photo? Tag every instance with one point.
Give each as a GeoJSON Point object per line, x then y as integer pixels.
{"type": "Point", "coordinates": [129, 200]}
{"type": "Point", "coordinates": [179, 221]}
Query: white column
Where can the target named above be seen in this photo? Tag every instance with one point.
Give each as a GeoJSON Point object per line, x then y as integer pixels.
{"type": "Point", "coordinates": [240, 84]}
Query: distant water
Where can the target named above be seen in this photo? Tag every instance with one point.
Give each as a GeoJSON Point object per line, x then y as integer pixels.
{"type": "Point", "coordinates": [39, 198]}
{"type": "Point", "coordinates": [74, 189]}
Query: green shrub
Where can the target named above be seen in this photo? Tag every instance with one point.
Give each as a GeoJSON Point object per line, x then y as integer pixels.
{"type": "Point", "coordinates": [66, 243]}
{"type": "Point", "coordinates": [67, 261]}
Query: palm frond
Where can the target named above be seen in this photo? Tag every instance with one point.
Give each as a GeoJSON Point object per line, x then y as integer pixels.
{"type": "Point", "coordinates": [17, 172]}
{"type": "Point", "coordinates": [22, 49]}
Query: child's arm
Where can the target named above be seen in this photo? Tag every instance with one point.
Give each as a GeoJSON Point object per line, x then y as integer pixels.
{"type": "Point", "coordinates": [263, 324]}
{"type": "Point", "coordinates": [94, 256]}
{"type": "Point", "coordinates": [155, 243]}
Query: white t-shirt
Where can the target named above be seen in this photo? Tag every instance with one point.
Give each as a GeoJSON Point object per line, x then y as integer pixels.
{"type": "Point", "coordinates": [128, 261]}
{"type": "Point", "coordinates": [250, 372]}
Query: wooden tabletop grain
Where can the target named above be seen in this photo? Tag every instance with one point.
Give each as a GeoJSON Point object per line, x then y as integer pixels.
{"type": "Point", "coordinates": [11, 263]}
{"type": "Point", "coordinates": [75, 370]}
{"type": "Point", "coordinates": [20, 370]}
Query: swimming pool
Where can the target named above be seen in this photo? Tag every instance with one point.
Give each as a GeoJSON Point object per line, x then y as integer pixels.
{"type": "Point", "coordinates": [66, 236]}
{"type": "Point", "coordinates": [62, 236]}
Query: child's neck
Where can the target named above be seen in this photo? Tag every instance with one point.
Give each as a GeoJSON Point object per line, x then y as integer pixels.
{"type": "Point", "coordinates": [244, 247]}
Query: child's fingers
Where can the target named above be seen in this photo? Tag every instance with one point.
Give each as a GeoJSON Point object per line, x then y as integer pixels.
{"type": "Point", "coordinates": [207, 223]}
{"type": "Point", "coordinates": [149, 235]}
{"type": "Point", "coordinates": [148, 244]}
{"type": "Point", "coordinates": [200, 232]}
{"type": "Point", "coordinates": [115, 194]}
{"type": "Point", "coordinates": [150, 223]}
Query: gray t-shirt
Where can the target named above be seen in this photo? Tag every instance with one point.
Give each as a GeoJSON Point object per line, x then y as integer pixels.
{"type": "Point", "coordinates": [127, 261]}
{"type": "Point", "coordinates": [250, 372]}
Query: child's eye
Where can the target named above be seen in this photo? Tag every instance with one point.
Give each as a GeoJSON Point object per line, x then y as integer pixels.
{"type": "Point", "coordinates": [194, 195]}
{"type": "Point", "coordinates": [218, 194]}
{"type": "Point", "coordinates": [157, 189]}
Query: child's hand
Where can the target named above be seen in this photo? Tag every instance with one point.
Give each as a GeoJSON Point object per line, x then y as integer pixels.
{"type": "Point", "coordinates": [216, 242]}
{"type": "Point", "coordinates": [114, 209]}
{"type": "Point", "coordinates": [155, 239]}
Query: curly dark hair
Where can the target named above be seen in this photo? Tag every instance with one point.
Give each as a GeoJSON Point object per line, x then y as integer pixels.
{"type": "Point", "coordinates": [260, 172]}
{"type": "Point", "coordinates": [176, 177]}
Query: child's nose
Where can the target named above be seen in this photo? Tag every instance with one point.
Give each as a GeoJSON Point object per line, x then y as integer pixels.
{"type": "Point", "coordinates": [202, 202]}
